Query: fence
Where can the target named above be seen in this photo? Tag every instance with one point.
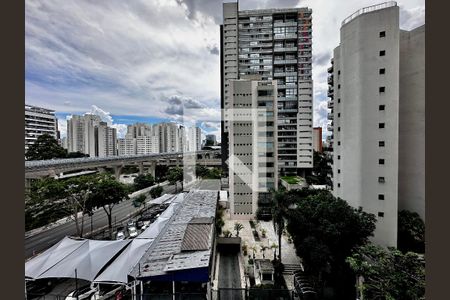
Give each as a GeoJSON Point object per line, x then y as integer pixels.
{"type": "Point", "coordinates": [220, 294]}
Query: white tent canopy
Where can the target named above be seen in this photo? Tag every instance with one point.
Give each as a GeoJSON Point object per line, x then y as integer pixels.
{"type": "Point", "coordinates": [119, 269]}
{"type": "Point", "coordinates": [88, 257]}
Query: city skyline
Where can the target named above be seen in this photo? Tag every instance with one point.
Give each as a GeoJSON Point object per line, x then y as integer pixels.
{"type": "Point", "coordinates": [68, 73]}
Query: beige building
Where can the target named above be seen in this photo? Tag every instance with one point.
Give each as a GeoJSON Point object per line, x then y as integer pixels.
{"type": "Point", "coordinates": [253, 164]}
{"type": "Point", "coordinates": [39, 121]}
{"type": "Point", "coordinates": [275, 44]}
{"type": "Point", "coordinates": [377, 111]}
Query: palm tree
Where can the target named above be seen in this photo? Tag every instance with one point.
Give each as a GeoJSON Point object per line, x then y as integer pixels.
{"type": "Point", "coordinates": [238, 227]}
{"type": "Point", "coordinates": [274, 247]}
{"type": "Point", "coordinates": [263, 250]}
{"type": "Point", "coordinates": [280, 206]}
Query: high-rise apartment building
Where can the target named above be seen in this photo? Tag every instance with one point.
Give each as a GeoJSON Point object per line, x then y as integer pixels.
{"type": "Point", "coordinates": [210, 139]}
{"type": "Point", "coordinates": [194, 139]}
{"type": "Point", "coordinates": [275, 44]}
{"type": "Point", "coordinates": [89, 135]}
{"type": "Point", "coordinates": [253, 144]}
{"type": "Point", "coordinates": [126, 146]}
{"type": "Point", "coordinates": [317, 139]}
{"type": "Point", "coordinates": [39, 121]}
{"type": "Point", "coordinates": [377, 112]}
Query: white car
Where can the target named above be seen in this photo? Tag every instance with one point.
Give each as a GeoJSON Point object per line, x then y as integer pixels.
{"type": "Point", "coordinates": [82, 293]}
{"type": "Point", "coordinates": [132, 231]}
{"type": "Point", "coordinates": [120, 235]}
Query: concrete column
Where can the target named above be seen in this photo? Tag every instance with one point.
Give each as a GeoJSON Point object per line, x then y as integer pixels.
{"type": "Point", "coordinates": [152, 168]}
{"type": "Point", "coordinates": [117, 171]}
{"type": "Point", "coordinates": [141, 168]}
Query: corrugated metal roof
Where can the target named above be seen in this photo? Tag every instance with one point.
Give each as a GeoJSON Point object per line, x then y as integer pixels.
{"type": "Point", "coordinates": [196, 237]}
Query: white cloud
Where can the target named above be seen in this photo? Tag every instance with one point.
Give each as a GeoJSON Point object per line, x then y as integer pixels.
{"type": "Point", "coordinates": [121, 129]}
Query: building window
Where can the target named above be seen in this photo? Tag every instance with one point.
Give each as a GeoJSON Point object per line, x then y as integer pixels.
{"type": "Point", "coordinates": [339, 185]}
{"type": "Point", "coordinates": [339, 143]}
{"type": "Point", "coordinates": [382, 34]}
{"type": "Point", "coordinates": [339, 86]}
{"type": "Point", "coordinates": [380, 143]}
{"type": "Point", "coordinates": [381, 161]}
{"type": "Point", "coordinates": [382, 89]}
{"type": "Point", "coordinates": [339, 100]}
{"type": "Point", "coordinates": [381, 179]}
{"type": "Point", "coordinates": [381, 107]}
{"type": "Point", "coordinates": [381, 214]}
{"type": "Point", "coordinates": [339, 157]}
{"type": "Point", "coordinates": [339, 171]}
{"type": "Point", "coordinates": [382, 71]}
{"type": "Point", "coordinates": [339, 115]}
{"type": "Point", "coordinates": [339, 128]}
{"type": "Point", "coordinates": [380, 125]}
{"type": "Point", "coordinates": [382, 52]}
{"type": "Point", "coordinates": [380, 197]}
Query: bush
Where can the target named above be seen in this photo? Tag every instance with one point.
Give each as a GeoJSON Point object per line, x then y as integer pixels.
{"type": "Point", "coordinates": [143, 181]}
{"type": "Point", "coordinates": [156, 192]}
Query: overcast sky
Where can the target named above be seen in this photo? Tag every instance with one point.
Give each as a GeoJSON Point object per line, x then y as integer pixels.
{"type": "Point", "coordinates": [141, 60]}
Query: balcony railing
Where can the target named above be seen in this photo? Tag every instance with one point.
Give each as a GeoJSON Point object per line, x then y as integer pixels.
{"type": "Point", "coordinates": [368, 9]}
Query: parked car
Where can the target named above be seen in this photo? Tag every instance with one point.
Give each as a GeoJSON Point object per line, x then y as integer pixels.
{"type": "Point", "coordinates": [120, 235]}
{"type": "Point", "coordinates": [84, 292]}
{"type": "Point", "coordinates": [132, 231]}
{"type": "Point", "coordinates": [130, 223]}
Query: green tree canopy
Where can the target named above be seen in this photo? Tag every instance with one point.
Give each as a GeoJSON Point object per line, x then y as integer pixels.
{"type": "Point", "coordinates": [156, 191]}
{"type": "Point", "coordinates": [174, 175]}
{"type": "Point", "coordinates": [143, 181]}
{"type": "Point", "coordinates": [388, 274]}
{"type": "Point", "coordinates": [45, 147]}
{"type": "Point", "coordinates": [411, 232]}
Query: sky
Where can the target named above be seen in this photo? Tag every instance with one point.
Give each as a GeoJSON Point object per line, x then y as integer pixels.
{"type": "Point", "coordinates": [144, 61]}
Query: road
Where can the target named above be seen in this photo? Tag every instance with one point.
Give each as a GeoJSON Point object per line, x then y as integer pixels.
{"type": "Point", "coordinates": [229, 276]}
{"type": "Point", "coordinates": [44, 240]}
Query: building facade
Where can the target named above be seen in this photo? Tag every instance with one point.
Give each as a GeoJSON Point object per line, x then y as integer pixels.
{"type": "Point", "coordinates": [253, 144]}
{"type": "Point", "coordinates": [317, 139]}
{"type": "Point", "coordinates": [275, 44]}
{"type": "Point", "coordinates": [367, 90]}
{"type": "Point", "coordinates": [194, 139]}
{"type": "Point", "coordinates": [39, 121]}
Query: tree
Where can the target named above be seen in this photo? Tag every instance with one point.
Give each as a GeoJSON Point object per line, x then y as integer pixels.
{"type": "Point", "coordinates": [388, 274]}
{"type": "Point", "coordinates": [107, 193]}
{"type": "Point", "coordinates": [143, 181]}
{"type": "Point", "coordinates": [411, 232]}
{"type": "Point", "coordinates": [263, 249]}
{"type": "Point", "coordinates": [325, 230]}
{"type": "Point", "coordinates": [201, 171]}
{"type": "Point", "coordinates": [175, 175]}
{"type": "Point", "coordinates": [320, 169]}
{"type": "Point", "coordinates": [238, 227]}
{"type": "Point", "coordinates": [76, 154]}
{"type": "Point", "coordinates": [156, 191]}
{"type": "Point", "coordinates": [45, 147]}
{"type": "Point", "coordinates": [139, 200]}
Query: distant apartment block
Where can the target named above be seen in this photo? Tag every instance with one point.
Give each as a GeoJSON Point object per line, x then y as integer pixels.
{"type": "Point", "coordinates": [211, 140]}
{"type": "Point", "coordinates": [253, 144]}
{"type": "Point", "coordinates": [377, 102]}
{"type": "Point", "coordinates": [194, 139]}
{"type": "Point", "coordinates": [275, 44]}
{"type": "Point", "coordinates": [89, 135]}
{"type": "Point", "coordinates": [39, 121]}
{"type": "Point", "coordinates": [317, 139]}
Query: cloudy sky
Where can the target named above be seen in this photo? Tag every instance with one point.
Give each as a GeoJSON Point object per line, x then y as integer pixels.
{"type": "Point", "coordinates": [142, 60]}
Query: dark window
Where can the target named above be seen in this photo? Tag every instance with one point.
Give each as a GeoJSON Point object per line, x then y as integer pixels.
{"type": "Point", "coordinates": [383, 71]}
{"type": "Point", "coordinates": [380, 143]}
{"type": "Point", "coordinates": [380, 197]}
{"type": "Point", "coordinates": [381, 107]}
{"type": "Point", "coordinates": [339, 143]}
{"type": "Point", "coordinates": [339, 86]}
{"type": "Point", "coordinates": [339, 115]}
{"type": "Point", "coordinates": [381, 161]}
{"type": "Point", "coordinates": [382, 34]}
{"type": "Point", "coordinates": [380, 125]}
{"type": "Point", "coordinates": [339, 185]}
{"type": "Point", "coordinates": [339, 157]}
{"type": "Point", "coordinates": [382, 52]}
{"type": "Point", "coordinates": [339, 128]}
{"type": "Point", "coordinates": [382, 89]}
{"type": "Point", "coordinates": [339, 171]}
{"type": "Point", "coordinates": [339, 100]}
{"type": "Point", "coordinates": [339, 72]}
{"type": "Point", "coordinates": [381, 179]}
{"type": "Point", "coordinates": [381, 214]}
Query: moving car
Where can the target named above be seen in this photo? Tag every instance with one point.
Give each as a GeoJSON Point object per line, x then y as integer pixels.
{"type": "Point", "coordinates": [120, 235]}
{"type": "Point", "coordinates": [132, 231]}
{"type": "Point", "coordinates": [84, 292]}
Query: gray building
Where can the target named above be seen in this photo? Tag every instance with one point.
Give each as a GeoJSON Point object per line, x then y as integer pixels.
{"type": "Point", "coordinates": [275, 44]}
{"type": "Point", "coordinates": [377, 112]}
{"type": "Point", "coordinates": [253, 144]}
{"type": "Point", "coordinates": [39, 121]}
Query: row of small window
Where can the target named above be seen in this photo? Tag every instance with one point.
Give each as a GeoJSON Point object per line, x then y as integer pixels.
{"type": "Point", "coordinates": [381, 161]}
{"type": "Point", "coordinates": [380, 125]}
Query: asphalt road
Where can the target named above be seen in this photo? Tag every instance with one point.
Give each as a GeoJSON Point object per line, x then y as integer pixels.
{"type": "Point", "coordinates": [229, 277]}
{"type": "Point", "coordinates": [44, 240]}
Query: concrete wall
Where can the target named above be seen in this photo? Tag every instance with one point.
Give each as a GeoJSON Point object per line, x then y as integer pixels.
{"type": "Point", "coordinates": [411, 181]}
{"type": "Point", "coordinates": [357, 126]}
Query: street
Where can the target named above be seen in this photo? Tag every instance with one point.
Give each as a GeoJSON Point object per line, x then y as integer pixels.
{"type": "Point", "coordinates": [44, 240]}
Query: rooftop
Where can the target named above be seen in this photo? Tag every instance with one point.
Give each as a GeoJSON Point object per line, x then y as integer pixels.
{"type": "Point", "coordinates": [368, 9]}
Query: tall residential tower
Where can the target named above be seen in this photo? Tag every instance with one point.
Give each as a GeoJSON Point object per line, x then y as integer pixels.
{"type": "Point", "coordinates": [276, 45]}
{"type": "Point", "coordinates": [377, 110]}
